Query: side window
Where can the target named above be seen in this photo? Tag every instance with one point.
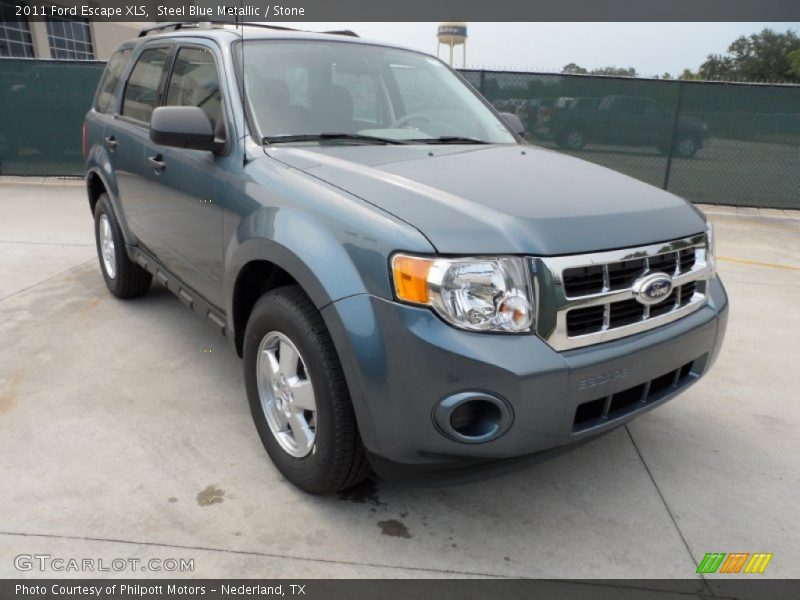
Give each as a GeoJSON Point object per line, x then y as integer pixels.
{"type": "Point", "coordinates": [110, 79]}
{"type": "Point", "coordinates": [195, 82]}
{"type": "Point", "coordinates": [141, 92]}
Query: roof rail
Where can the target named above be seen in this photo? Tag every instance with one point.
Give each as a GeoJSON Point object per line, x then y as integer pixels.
{"type": "Point", "coordinates": [348, 32]}
{"type": "Point", "coordinates": [184, 24]}
{"type": "Point", "coordinates": [161, 26]}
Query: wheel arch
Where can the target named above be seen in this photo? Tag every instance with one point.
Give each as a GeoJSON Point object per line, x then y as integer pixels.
{"type": "Point", "coordinates": [262, 265]}
{"type": "Point", "coordinates": [96, 186]}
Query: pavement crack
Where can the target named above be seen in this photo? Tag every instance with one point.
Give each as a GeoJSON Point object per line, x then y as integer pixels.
{"type": "Point", "coordinates": [46, 243]}
{"type": "Point", "coordinates": [33, 285]}
{"type": "Point", "coordinates": [667, 508]}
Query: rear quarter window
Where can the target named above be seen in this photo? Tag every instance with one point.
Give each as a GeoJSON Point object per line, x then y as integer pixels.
{"type": "Point", "coordinates": [141, 91]}
{"type": "Point", "coordinates": [104, 102]}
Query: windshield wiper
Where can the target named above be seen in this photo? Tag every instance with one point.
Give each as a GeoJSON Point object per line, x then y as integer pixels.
{"type": "Point", "coordinates": [449, 139]}
{"type": "Point", "coordinates": [316, 137]}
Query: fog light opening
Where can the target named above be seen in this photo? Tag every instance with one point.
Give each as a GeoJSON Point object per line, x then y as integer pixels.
{"type": "Point", "coordinates": [475, 418]}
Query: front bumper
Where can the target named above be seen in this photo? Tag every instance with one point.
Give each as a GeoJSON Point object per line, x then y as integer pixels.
{"type": "Point", "coordinates": [400, 361]}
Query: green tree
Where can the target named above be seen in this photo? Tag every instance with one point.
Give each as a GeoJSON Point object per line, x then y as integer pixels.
{"type": "Point", "coordinates": [717, 66]}
{"type": "Point", "coordinates": [616, 71]}
{"type": "Point", "coordinates": [794, 60]}
{"type": "Point", "coordinates": [687, 74]}
{"type": "Point", "coordinates": [573, 69]}
{"type": "Point", "coordinates": [761, 56]}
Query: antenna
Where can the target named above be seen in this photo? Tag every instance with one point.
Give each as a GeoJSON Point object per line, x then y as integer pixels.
{"type": "Point", "coordinates": [240, 23]}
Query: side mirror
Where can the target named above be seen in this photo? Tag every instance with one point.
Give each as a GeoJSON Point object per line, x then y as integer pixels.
{"type": "Point", "coordinates": [513, 122]}
{"type": "Point", "coordinates": [183, 127]}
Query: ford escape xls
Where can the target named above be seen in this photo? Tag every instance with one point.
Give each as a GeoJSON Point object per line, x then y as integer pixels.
{"type": "Point", "coordinates": [408, 282]}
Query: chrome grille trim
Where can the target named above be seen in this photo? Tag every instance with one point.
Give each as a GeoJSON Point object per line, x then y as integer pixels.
{"type": "Point", "coordinates": [553, 303]}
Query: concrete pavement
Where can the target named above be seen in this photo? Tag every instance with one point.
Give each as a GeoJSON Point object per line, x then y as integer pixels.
{"type": "Point", "coordinates": [125, 433]}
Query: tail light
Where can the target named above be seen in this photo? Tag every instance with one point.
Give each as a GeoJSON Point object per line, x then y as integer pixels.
{"type": "Point", "coordinates": [85, 138]}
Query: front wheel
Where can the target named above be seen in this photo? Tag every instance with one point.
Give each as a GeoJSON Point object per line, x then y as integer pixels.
{"type": "Point", "coordinates": [686, 147]}
{"type": "Point", "coordinates": [573, 139]}
{"type": "Point", "coordinates": [124, 278]}
{"type": "Point", "coordinates": [298, 395]}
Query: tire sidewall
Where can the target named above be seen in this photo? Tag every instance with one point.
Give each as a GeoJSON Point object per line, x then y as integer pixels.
{"type": "Point", "coordinates": [104, 208]}
{"type": "Point", "coordinates": [679, 144]}
{"type": "Point", "coordinates": [271, 313]}
{"type": "Point", "coordinates": [570, 144]}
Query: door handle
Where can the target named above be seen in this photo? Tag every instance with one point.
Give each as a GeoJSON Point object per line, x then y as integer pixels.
{"type": "Point", "coordinates": [111, 143]}
{"type": "Point", "coordinates": [157, 162]}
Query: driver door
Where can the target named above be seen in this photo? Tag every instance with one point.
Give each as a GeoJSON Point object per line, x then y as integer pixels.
{"type": "Point", "coordinates": [189, 185]}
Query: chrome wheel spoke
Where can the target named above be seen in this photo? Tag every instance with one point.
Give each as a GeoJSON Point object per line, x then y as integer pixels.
{"type": "Point", "coordinates": [269, 365]}
{"type": "Point", "coordinates": [302, 395]}
{"type": "Point", "coordinates": [301, 432]}
{"type": "Point", "coordinates": [276, 418]}
{"type": "Point", "coordinates": [288, 360]}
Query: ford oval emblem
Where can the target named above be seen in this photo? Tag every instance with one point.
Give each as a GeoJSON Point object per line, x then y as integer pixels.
{"type": "Point", "coordinates": [652, 288]}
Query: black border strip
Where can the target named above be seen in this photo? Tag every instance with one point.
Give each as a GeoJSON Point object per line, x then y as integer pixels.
{"type": "Point", "coordinates": [425, 10]}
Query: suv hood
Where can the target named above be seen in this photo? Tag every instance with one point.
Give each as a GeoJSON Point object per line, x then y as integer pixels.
{"type": "Point", "coordinates": [501, 199]}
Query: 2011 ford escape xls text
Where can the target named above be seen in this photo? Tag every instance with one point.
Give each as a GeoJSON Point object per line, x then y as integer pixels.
{"type": "Point", "coordinates": [409, 283]}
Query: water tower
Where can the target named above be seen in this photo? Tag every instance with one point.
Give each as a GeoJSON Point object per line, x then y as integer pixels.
{"type": "Point", "coordinates": [453, 33]}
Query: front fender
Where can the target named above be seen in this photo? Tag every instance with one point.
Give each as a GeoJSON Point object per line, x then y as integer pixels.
{"type": "Point", "coordinates": [334, 244]}
{"type": "Point", "coordinates": [263, 249]}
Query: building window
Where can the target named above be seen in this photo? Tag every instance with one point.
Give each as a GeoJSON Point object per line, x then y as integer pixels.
{"type": "Point", "coordinates": [15, 34]}
{"type": "Point", "coordinates": [70, 39]}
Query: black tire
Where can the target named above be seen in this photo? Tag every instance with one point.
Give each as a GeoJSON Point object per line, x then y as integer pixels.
{"type": "Point", "coordinates": [338, 460]}
{"type": "Point", "coordinates": [686, 146]}
{"type": "Point", "coordinates": [129, 279]}
{"type": "Point", "coordinates": [572, 139]}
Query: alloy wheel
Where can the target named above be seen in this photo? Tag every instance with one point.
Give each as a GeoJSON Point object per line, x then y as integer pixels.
{"type": "Point", "coordinates": [286, 394]}
{"type": "Point", "coordinates": [107, 250]}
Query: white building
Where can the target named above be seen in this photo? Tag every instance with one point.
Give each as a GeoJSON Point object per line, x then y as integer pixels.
{"type": "Point", "coordinates": [59, 38]}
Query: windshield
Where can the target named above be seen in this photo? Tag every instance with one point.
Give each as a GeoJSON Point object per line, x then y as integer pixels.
{"type": "Point", "coordinates": [371, 93]}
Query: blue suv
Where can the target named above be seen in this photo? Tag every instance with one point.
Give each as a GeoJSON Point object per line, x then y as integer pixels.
{"type": "Point", "coordinates": [410, 285]}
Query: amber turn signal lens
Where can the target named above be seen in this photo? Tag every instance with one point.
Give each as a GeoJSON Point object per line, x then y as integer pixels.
{"type": "Point", "coordinates": [411, 278]}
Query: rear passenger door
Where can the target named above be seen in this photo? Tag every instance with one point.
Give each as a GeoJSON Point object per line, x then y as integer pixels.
{"type": "Point", "coordinates": [104, 113]}
{"type": "Point", "coordinates": [188, 186]}
{"type": "Point", "coordinates": [126, 137]}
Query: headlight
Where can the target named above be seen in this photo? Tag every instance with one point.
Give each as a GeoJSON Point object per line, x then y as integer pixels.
{"type": "Point", "coordinates": [711, 252]}
{"type": "Point", "coordinates": [477, 294]}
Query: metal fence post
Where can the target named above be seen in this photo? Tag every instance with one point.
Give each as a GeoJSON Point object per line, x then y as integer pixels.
{"type": "Point", "coordinates": [672, 134]}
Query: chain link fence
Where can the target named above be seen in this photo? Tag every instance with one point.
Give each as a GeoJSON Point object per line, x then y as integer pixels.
{"type": "Point", "coordinates": [710, 142]}
{"type": "Point", "coordinates": [42, 105]}
{"type": "Point", "coordinates": [716, 143]}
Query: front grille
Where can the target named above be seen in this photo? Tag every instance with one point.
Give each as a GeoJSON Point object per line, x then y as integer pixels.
{"type": "Point", "coordinates": [585, 320]}
{"type": "Point", "coordinates": [687, 291]}
{"type": "Point", "coordinates": [602, 410]}
{"type": "Point", "coordinates": [589, 298]}
{"type": "Point", "coordinates": [622, 274]}
{"type": "Point", "coordinates": [624, 313]}
{"type": "Point", "coordinates": [583, 280]}
{"type": "Point", "coordinates": [686, 259]}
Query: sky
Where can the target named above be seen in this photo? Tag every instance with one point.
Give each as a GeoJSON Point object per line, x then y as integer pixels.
{"type": "Point", "coordinates": [651, 48]}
